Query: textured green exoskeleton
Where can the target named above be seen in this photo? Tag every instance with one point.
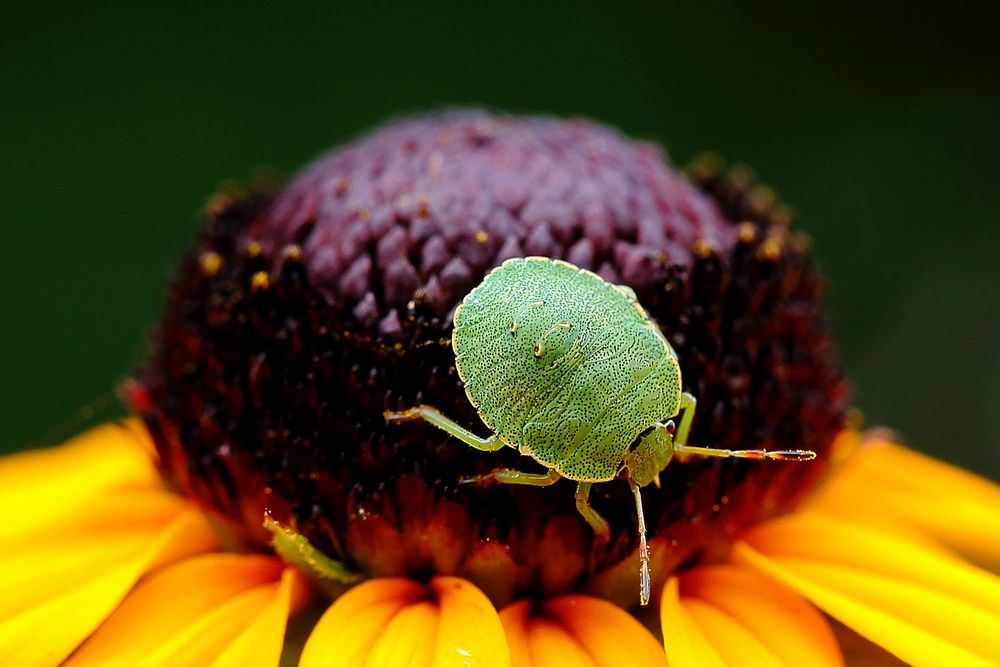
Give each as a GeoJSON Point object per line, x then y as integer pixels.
{"type": "Point", "coordinates": [571, 371]}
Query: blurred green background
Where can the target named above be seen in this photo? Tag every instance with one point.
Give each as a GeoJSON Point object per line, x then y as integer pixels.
{"type": "Point", "coordinates": [880, 126]}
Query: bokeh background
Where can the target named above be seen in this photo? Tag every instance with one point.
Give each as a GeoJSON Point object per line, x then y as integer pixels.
{"type": "Point", "coordinates": [879, 125]}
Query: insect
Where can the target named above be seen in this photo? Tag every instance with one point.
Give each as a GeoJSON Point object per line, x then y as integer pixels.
{"type": "Point", "coordinates": [570, 370]}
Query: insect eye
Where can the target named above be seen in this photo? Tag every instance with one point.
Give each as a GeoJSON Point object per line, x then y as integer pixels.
{"type": "Point", "coordinates": [671, 427]}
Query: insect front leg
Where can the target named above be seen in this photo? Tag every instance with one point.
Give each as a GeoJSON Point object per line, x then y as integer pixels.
{"type": "Point", "coordinates": [688, 404]}
{"type": "Point", "coordinates": [434, 416]}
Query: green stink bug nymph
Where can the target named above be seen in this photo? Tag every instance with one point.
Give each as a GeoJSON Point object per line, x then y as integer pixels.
{"type": "Point", "coordinates": [571, 371]}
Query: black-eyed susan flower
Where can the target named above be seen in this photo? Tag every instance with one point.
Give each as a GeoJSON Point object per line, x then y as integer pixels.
{"type": "Point", "coordinates": [301, 316]}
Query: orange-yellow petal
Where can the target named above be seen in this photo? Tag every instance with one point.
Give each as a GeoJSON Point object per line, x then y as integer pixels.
{"type": "Point", "coordinates": [734, 644]}
{"type": "Point", "coordinates": [355, 621]}
{"type": "Point", "coordinates": [408, 638]}
{"type": "Point", "coordinates": [732, 604]}
{"type": "Point", "coordinates": [703, 625]}
{"type": "Point", "coordinates": [469, 628]}
{"type": "Point", "coordinates": [171, 601]}
{"type": "Point", "coordinates": [685, 643]}
{"type": "Point", "coordinates": [261, 642]}
{"type": "Point", "coordinates": [84, 522]}
{"type": "Point", "coordinates": [401, 622]}
{"type": "Point", "coordinates": [40, 486]}
{"type": "Point", "coordinates": [45, 631]}
{"type": "Point", "coordinates": [608, 633]}
{"type": "Point", "coordinates": [811, 536]}
{"type": "Point", "coordinates": [884, 482]}
{"type": "Point", "coordinates": [539, 641]}
{"type": "Point", "coordinates": [926, 608]}
{"type": "Point", "coordinates": [53, 557]}
{"type": "Point", "coordinates": [578, 630]}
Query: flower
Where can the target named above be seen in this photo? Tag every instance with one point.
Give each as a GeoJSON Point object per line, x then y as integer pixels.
{"type": "Point", "coordinates": [111, 567]}
{"type": "Point", "coordinates": [301, 316]}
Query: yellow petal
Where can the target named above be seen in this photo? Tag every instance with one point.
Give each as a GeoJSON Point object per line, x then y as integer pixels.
{"type": "Point", "coordinates": [608, 633]}
{"type": "Point", "coordinates": [261, 642]}
{"type": "Point", "coordinates": [816, 537]}
{"type": "Point", "coordinates": [201, 642]}
{"type": "Point", "coordinates": [169, 600]}
{"type": "Point", "coordinates": [408, 639]}
{"type": "Point", "coordinates": [42, 562]}
{"type": "Point", "coordinates": [577, 630]}
{"type": "Point", "coordinates": [685, 643]}
{"type": "Point", "coordinates": [350, 627]}
{"type": "Point", "coordinates": [551, 644]}
{"type": "Point", "coordinates": [909, 468]}
{"type": "Point", "coordinates": [48, 630]}
{"type": "Point", "coordinates": [114, 510]}
{"type": "Point", "coordinates": [248, 629]}
{"type": "Point", "coordinates": [734, 644]}
{"type": "Point", "coordinates": [743, 602]}
{"type": "Point", "coordinates": [469, 629]}
{"type": "Point", "coordinates": [400, 622]}
{"type": "Point", "coordinates": [884, 481]}
{"type": "Point", "coordinates": [925, 608]}
{"type": "Point", "coordinates": [38, 486]}
{"type": "Point", "coordinates": [514, 618]}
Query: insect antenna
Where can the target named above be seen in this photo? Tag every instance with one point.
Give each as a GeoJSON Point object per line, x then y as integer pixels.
{"type": "Point", "coordinates": [781, 455]}
{"type": "Point", "coordinates": [643, 549]}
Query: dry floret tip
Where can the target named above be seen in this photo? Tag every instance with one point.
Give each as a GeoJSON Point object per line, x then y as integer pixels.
{"type": "Point", "coordinates": [210, 262]}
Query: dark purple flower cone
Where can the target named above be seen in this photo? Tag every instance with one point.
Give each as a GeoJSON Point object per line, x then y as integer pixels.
{"type": "Point", "coordinates": [300, 317]}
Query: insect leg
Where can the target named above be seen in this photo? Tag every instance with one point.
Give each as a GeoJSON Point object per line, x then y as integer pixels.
{"type": "Point", "coordinates": [508, 476]}
{"type": "Point", "coordinates": [600, 525]}
{"type": "Point", "coordinates": [688, 405]}
{"type": "Point", "coordinates": [643, 549]}
{"type": "Point", "coordinates": [432, 415]}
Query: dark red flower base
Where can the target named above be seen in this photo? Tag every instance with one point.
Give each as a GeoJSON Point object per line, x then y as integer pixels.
{"type": "Point", "coordinates": [300, 317]}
